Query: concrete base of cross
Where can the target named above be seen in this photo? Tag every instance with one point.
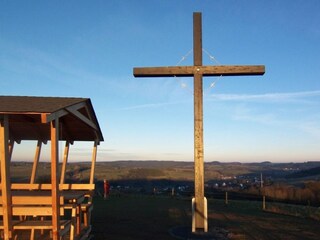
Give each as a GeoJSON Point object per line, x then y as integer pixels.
{"type": "Point", "coordinates": [205, 219]}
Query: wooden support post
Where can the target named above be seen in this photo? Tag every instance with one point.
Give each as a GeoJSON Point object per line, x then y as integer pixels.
{"type": "Point", "coordinates": [35, 162]}
{"type": "Point", "coordinates": [11, 145]}
{"type": "Point", "coordinates": [64, 164]}
{"type": "Point", "coordinates": [93, 161]}
{"type": "Point", "coordinates": [54, 179]}
{"type": "Point", "coordinates": [5, 177]}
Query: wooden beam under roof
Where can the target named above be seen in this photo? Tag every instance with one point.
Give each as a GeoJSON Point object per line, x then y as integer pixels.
{"type": "Point", "coordinates": [82, 118]}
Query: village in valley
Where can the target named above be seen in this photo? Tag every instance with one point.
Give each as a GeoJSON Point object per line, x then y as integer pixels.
{"type": "Point", "coordinates": [174, 178]}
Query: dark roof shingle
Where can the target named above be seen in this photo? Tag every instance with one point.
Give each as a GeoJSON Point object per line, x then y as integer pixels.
{"type": "Point", "coordinates": [36, 104]}
{"type": "Point", "coordinates": [26, 118]}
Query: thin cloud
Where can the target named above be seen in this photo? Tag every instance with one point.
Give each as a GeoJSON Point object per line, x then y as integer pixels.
{"type": "Point", "coordinates": [43, 64]}
{"type": "Point", "coordinates": [312, 128]}
{"type": "Point", "coordinates": [243, 113]}
{"type": "Point", "coordinates": [152, 105]}
{"type": "Point", "coordinates": [307, 122]}
{"type": "Point", "coordinates": [268, 97]}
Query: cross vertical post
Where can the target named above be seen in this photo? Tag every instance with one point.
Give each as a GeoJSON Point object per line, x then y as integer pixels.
{"type": "Point", "coordinates": [199, 210]}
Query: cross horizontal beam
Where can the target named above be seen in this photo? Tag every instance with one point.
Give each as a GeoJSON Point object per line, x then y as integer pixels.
{"type": "Point", "coordinates": [190, 71]}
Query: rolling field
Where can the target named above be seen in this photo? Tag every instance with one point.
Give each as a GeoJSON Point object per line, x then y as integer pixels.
{"type": "Point", "coordinates": [129, 217]}
{"type": "Point", "coordinates": [133, 214]}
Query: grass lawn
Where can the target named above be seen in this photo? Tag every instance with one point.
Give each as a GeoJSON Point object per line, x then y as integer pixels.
{"type": "Point", "coordinates": [150, 217]}
{"type": "Point", "coordinates": [138, 217]}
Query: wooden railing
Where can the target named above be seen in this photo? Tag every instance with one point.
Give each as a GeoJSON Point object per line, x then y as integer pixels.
{"type": "Point", "coordinates": [35, 200]}
{"type": "Point", "coordinates": [29, 208]}
{"type": "Point", "coordinates": [48, 186]}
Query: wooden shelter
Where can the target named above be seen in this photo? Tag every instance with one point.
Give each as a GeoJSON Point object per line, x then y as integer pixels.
{"type": "Point", "coordinates": [46, 119]}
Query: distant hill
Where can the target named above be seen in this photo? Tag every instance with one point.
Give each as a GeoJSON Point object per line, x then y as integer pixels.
{"type": "Point", "coordinates": [168, 170]}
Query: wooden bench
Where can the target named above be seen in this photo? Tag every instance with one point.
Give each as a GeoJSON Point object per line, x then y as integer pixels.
{"type": "Point", "coordinates": [29, 206]}
{"type": "Point", "coordinates": [83, 210]}
{"type": "Point", "coordinates": [65, 226]}
{"type": "Point", "coordinates": [86, 207]}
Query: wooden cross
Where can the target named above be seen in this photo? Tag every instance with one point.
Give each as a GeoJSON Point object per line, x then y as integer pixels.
{"type": "Point", "coordinates": [198, 71]}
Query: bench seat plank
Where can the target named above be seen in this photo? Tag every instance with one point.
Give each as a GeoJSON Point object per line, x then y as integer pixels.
{"type": "Point", "coordinates": [48, 186]}
{"type": "Point", "coordinates": [35, 224]}
{"type": "Point", "coordinates": [32, 210]}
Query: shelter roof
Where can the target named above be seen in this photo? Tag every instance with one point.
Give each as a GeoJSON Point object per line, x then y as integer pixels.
{"type": "Point", "coordinates": [30, 117]}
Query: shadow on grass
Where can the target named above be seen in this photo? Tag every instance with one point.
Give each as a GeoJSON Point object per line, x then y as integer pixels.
{"type": "Point", "coordinates": [128, 216]}
{"type": "Point", "coordinates": [143, 216]}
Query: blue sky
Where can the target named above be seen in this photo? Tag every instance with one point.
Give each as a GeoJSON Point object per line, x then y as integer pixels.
{"type": "Point", "coordinates": [89, 48]}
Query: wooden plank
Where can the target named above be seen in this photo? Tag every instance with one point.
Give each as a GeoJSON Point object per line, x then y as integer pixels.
{"type": "Point", "coordinates": [33, 224]}
{"type": "Point", "coordinates": [64, 163]}
{"type": "Point", "coordinates": [83, 118]}
{"type": "Point", "coordinates": [190, 71]}
{"type": "Point", "coordinates": [32, 200]}
{"type": "Point", "coordinates": [92, 120]}
{"type": "Point", "coordinates": [78, 186]}
{"type": "Point", "coordinates": [54, 178]}
{"type": "Point", "coordinates": [55, 115]}
{"type": "Point", "coordinates": [93, 162]}
{"type": "Point", "coordinates": [197, 39]}
{"type": "Point", "coordinates": [35, 162]}
{"type": "Point", "coordinates": [27, 210]}
{"type": "Point", "coordinates": [44, 117]}
{"type": "Point", "coordinates": [5, 176]}
{"type": "Point", "coordinates": [48, 186]}
{"type": "Point", "coordinates": [73, 110]}
{"type": "Point", "coordinates": [11, 145]}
